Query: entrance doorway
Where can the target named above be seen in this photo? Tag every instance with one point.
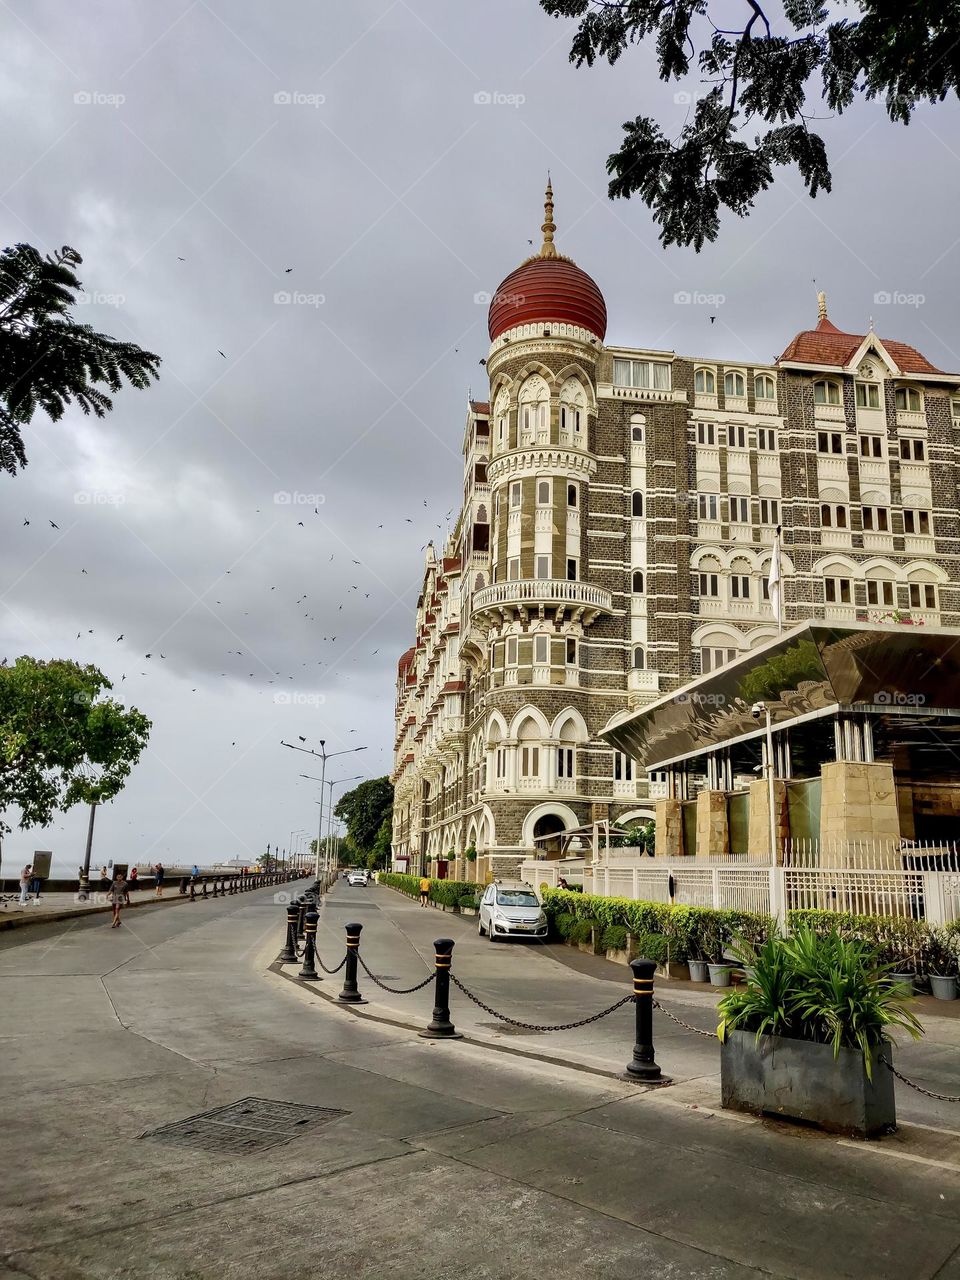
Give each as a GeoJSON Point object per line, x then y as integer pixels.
{"type": "Point", "coordinates": [549, 824]}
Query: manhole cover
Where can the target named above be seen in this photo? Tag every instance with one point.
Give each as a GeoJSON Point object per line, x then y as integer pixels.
{"type": "Point", "coordinates": [252, 1124]}
{"type": "Point", "coordinates": [506, 1029]}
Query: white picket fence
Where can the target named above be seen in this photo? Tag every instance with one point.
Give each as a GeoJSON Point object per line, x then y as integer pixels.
{"type": "Point", "coordinates": [933, 896]}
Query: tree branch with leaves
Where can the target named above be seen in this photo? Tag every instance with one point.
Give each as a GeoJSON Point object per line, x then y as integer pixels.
{"type": "Point", "coordinates": [757, 76]}
{"type": "Point", "coordinates": [47, 360]}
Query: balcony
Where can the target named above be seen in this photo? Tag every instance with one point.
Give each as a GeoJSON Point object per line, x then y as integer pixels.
{"type": "Point", "coordinates": [526, 594]}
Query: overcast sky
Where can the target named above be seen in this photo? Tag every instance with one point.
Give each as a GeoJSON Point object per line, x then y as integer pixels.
{"type": "Point", "coordinates": [355, 143]}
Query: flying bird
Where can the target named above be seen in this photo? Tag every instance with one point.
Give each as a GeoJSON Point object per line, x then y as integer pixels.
{"type": "Point", "coordinates": [219, 352]}
{"type": "Point", "coordinates": [300, 523]}
{"type": "Point", "coordinates": [83, 571]}
{"type": "Point", "coordinates": [54, 525]}
{"type": "Point", "coordinates": [179, 259]}
{"type": "Point", "coordinates": [712, 319]}
{"type": "Point", "coordinates": [287, 270]}
{"type": "Point", "coordinates": [119, 638]}
{"type": "Point", "coordinates": [26, 522]}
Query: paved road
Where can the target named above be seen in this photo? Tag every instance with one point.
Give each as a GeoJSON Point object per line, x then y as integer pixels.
{"type": "Point", "coordinates": [442, 1157]}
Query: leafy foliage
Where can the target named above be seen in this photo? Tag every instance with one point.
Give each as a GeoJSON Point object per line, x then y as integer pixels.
{"type": "Point", "coordinates": [61, 743]}
{"type": "Point", "coordinates": [446, 893]}
{"type": "Point", "coordinates": [822, 988]}
{"type": "Point", "coordinates": [47, 360]}
{"type": "Point", "coordinates": [614, 938]}
{"type": "Point", "coordinates": [758, 79]}
{"type": "Point", "coordinates": [691, 932]}
{"type": "Point", "coordinates": [367, 810]}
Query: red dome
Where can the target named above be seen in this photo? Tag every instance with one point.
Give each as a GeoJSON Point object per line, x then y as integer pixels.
{"type": "Point", "coordinates": [545, 289]}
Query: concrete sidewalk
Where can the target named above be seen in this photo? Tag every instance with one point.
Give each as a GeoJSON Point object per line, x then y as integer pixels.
{"type": "Point", "coordinates": [552, 984]}
{"type": "Point", "coordinates": [431, 1159]}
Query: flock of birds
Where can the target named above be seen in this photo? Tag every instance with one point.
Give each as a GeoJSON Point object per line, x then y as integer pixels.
{"type": "Point", "coordinates": [349, 627]}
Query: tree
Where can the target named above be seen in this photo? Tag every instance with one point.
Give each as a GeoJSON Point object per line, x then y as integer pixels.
{"type": "Point", "coordinates": [47, 360]}
{"type": "Point", "coordinates": [756, 76]}
{"type": "Point", "coordinates": [61, 743]}
{"type": "Point", "coordinates": [365, 809]}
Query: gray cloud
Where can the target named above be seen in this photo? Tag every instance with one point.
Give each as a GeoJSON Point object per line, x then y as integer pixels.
{"type": "Point", "coordinates": [396, 199]}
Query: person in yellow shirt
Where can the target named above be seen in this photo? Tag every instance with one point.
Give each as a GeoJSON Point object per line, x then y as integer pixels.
{"type": "Point", "coordinates": [424, 891]}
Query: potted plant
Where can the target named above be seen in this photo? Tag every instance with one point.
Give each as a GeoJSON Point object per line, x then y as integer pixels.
{"type": "Point", "coordinates": [941, 964]}
{"type": "Point", "coordinates": [471, 853]}
{"type": "Point", "coordinates": [713, 940]}
{"type": "Point", "coordinates": [807, 1037]}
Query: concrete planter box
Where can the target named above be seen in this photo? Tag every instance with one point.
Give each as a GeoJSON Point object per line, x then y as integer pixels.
{"type": "Point", "coordinates": [674, 969]}
{"type": "Point", "coordinates": [803, 1081]}
{"type": "Point", "coordinates": [617, 956]}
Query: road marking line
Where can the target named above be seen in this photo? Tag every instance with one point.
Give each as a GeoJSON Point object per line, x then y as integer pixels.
{"type": "Point", "coordinates": [897, 1155]}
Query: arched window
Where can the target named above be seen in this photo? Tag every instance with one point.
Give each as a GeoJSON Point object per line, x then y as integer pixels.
{"type": "Point", "coordinates": [639, 658]}
{"type": "Point", "coordinates": [481, 514]}
{"type": "Point", "coordinates": [638, 582]}
{"type": "Point", "coordinates": [825, 391]}
{"type": "Point", "coordinates": [734, 383]}
{"type": "Point", "coordinates": [573, 412]}
{"type": "Point", "coordinates": [704, 382]}
{"type": "Point", "coordinates": [528, 738]}
{"type": "Point", "coordinates": [637, 503]}
{"type": "Point", "coordinates": [764, 388]}
{"type": "Point", "coordinates": [637, 423]}
{"type": "Point", "coordinates": [567, 751]}
{"type": "Point", "coordinates": [501, 413]}
{"type": "Point", "coordinates": [534, 408]}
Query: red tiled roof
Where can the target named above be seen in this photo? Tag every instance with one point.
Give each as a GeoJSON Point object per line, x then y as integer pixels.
{"type": "Point", "coordinates": [828, 345]}
{"type": "Point", "coordinates": [479, 406]}
{"type": "Point", "coordinates": [407, 658]}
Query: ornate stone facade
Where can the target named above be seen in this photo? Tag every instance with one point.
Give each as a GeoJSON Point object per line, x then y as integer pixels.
{"type": "Point", "coordinates": [620, 509]}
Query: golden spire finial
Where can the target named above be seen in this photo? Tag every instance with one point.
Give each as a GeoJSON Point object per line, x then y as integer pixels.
{"type": "Point", "coordinates": [549, 249]}
{"type": "Point", "coordinates": [821, 305]}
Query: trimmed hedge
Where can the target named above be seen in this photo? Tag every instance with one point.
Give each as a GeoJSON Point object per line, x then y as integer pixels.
{"type": "Point", "coordinates": [690, 932]}
{"type": "Point", "coordinates": [614, 938]}
{"type": "Point", "coordinates": [446, 893]}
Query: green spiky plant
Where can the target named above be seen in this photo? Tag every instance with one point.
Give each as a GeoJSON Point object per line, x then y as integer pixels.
{"type": "Point", "coordinates": [820, 988]}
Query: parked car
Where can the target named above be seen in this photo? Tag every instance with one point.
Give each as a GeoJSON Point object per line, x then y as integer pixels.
{"type": "Point", "coordinates": [511, 909]}
{"type": "Point", "coordinates": [357, 877]}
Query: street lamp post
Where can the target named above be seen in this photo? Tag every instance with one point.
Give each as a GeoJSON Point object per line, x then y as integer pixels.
{"type": "Point", "coordinates": [336, 782]}
{"type": "Point", "coordinates": [83, 889]}
{"type": "Point", "coordinates": [323, 755]}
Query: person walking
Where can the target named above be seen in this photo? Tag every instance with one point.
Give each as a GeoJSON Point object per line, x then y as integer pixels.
{"type": "Point", "coordinates": [118, 896]}
{"type": "Point", "coordinates": [424, 891]}
{"type": "Point", "coordinates": [26, 875]}
{"type": "Point", "coordinates": [158, 873]}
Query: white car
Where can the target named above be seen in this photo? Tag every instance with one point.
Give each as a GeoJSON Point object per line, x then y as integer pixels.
{"type": "Point", "coordinates": [357, 877]}
{"type": "Point", "coordinates": [511, 909]}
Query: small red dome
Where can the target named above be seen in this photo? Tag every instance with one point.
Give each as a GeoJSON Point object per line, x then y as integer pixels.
{"type": "Point", "coordinates": [545, 289]}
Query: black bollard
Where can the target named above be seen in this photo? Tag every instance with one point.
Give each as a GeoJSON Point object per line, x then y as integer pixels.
{"type": "Point", "coordinates": [643, 1066]}
{"type": "Point", "coordinates": [350, 994]}
{"type": "Point", "coordinates": [289, 953]}
{"type": "Point", "coordinates": [215, 889]}
{"type": "Point", "coordinates": [193, 891]}
{"type": "Point", "coordinates": [183, 885]}
{"type": "Point", "coordinates": [204, 889]}
{"type": "Point", "coordinates": [441, 1028]}
{"type": "Point", "coordinates": [309, 968]}
{"type": "Point", "coordinates": [302, 917]}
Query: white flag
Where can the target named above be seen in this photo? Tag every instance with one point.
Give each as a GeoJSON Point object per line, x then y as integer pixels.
{"type": "Point", "coordinates": [773, 582]}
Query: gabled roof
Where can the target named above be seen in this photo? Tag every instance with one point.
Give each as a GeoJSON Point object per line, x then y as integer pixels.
{"type": "Point", "coordinates": [479, 406]}
{"type": "Point", "coordinates": [828, 345]}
